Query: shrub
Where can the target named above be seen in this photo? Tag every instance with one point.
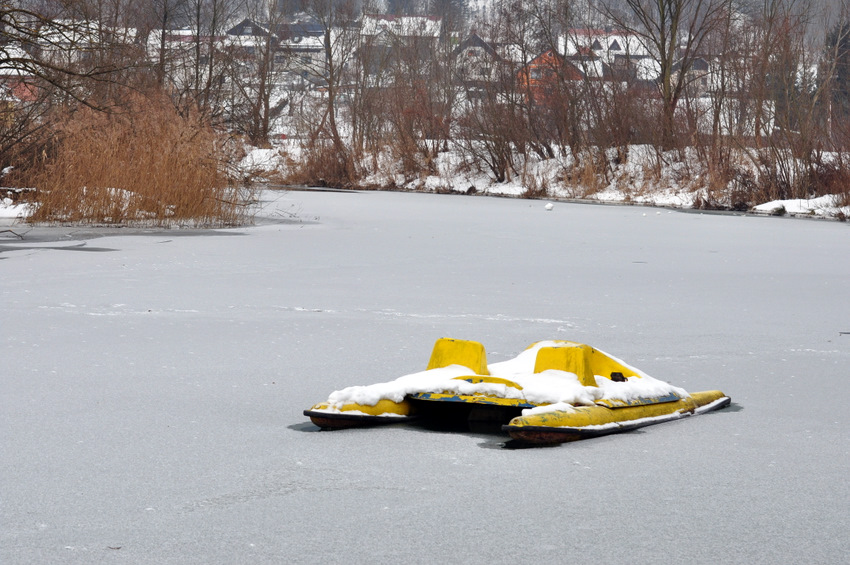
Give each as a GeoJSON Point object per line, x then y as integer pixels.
{"type": "Point", "coordinates": [324, 164]}
{"type": "Point", "coordinates": [145, 165]}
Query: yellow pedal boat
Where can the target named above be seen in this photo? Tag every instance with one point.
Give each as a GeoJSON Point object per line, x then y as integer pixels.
{"type": "Point", "coordinates": [553, 392]}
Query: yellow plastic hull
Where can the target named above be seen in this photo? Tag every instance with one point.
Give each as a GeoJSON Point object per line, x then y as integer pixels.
{"type": "Point", "coordinates": [549, 427]}
{"type": "Point", "coordinates": [359, 415]}
{"type": "Point", "coordinates": [591, 421]}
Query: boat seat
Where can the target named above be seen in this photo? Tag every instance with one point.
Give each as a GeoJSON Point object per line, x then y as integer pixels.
{"type": "Point", "coordinates": [469, 354]}
{"type": "Point", "coordinates": [572, 359]}
{"type": "Point", "coordinates": [584, 361]}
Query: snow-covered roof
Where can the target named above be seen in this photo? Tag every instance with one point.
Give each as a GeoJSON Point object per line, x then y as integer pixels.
{"type": "Point", "coordinates": [646, 68]}
{"type": "Point", "coordinates": [401, 26]}
{"type": "Point", "coordinates": [512, 52]}
{"type": "Point", "coordinates": [78, 32]}
{"type": "Point", "coordinates": [474, 41]}
{"type": "Point", "coordinates": [295, 35]}
{"type": "Point", "coordinates": [14, 61]}
{"type": "Point", "coordinates": [601, 42]}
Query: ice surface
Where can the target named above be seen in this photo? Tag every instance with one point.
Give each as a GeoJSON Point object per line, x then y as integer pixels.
{"type": "Point", "coordinates": [153, 387]}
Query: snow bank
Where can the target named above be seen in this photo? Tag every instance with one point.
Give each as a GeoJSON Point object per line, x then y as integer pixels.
{"type": "Point", "coordinates": [9, 210]}
{"type": "Point", "coordinates": [262, 162]}
{"type": "Point", "coordinates": [822, 206]}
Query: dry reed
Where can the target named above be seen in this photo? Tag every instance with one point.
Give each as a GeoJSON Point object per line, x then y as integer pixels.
{"type": "Point", "coordinates": [323, 164]}
{"type": "Point", "coordinates": [145, 166]}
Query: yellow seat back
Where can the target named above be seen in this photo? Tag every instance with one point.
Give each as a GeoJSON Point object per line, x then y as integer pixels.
{"type": "Point", "coordinates": [583, 360]}
{"type": "Point", "coordinates": [572, 359]}
{"type": "Point", "coordinates": [469, 354]}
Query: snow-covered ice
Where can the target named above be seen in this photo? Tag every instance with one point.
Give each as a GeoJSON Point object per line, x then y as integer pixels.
{"type": "Point", "coordinates": [154, 381]}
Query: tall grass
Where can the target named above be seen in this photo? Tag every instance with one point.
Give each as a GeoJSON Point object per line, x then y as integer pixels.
{"type": "Point", "coordinates": [323, 163]}
{"type": "Point", "coordinates": [147, 165]}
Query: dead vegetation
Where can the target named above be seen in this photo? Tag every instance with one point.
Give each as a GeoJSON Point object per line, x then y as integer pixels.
{"type": "Point", "coordinates": [143, 165]}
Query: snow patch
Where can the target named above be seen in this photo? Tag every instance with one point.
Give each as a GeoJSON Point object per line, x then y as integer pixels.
{"type": "Point", "coordinates": [822, 206]}
{"type": "Point", "coordinates": [9, 210]}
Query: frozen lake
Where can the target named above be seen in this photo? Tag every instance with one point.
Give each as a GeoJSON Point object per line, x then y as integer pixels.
{"type": "Point", "coordinates": [153, 386]}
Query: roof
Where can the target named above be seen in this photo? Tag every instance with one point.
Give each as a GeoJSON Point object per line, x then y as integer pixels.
{"type": "Point", "coordinates": [67, 32]}
{"type": "Point", "coordinates": [292, 31]}
{"type": "Point", "coordinates": [402, 26]}
{"type": "Point", "coordinates": [249, 27]}
{"type": "Point", "coordinates": [475, 41]}
{"type": "Point", "coordinates": [601, 41]}
{"type": "Point", "coordinates": [300, 29]}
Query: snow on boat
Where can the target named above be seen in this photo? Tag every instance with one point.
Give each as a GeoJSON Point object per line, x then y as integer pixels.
{"type": "Point", "coordinates": [553, 392]}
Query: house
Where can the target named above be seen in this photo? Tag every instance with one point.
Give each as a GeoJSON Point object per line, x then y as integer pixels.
{"type": "Point", "coordinates": [248, 38]}
{"type": "Point", "coordinates": [301, 47]}
{"type": "Point", "coordinates": [169, 43]}
{"type": "Point", "coordinates": [698, 77]}
{"type": "Point", "coordinates": [591, 67]}
{"type": "Point", "coordinates": [387, 41]}
{"type": "Point", "coordinates": [547, 67]}
{"type": "Point", "coordinates": [18, 84]}
{"type": "Point", "coordinates": [544, 75]}
{"type": "Point", "coordinates": [391, 30]}
{"type": "Point", "coordinates": [184, 57]}
{"type": "Point", "coordinates": [604, 43]}
{"type": "Point", "coordinates": [477, 63]}
{"type": "Point", "coordinates": [69, 42]}
{"type": "Point", "coordinates": [298, 46]}
{"type": "Point", "coordinates": [640, 71]}
{"type": "Point", "coordinates": [624, 54]}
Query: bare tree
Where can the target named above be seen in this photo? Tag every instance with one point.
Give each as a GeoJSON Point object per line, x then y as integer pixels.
{"type": "Point", "coordinates": [157, 24]}
{"type": "Point", "coordinates": [673, 32]}
{"type": "Point", "coordinates": [257, 69]}
{"type": "Point", "coordinates": [340, 37]}
{"type": "Point", "coordinates": [207, 20]}
{"type": "Point", "coordinates": [410, 64]}
{"type": "Point", "coordinates": [836, 70]}
{"type": "Point", "coordinates": [61, 54]}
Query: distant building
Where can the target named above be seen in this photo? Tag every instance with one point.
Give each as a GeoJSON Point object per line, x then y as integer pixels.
{"type": "Point", "coordinates": [386, 41]}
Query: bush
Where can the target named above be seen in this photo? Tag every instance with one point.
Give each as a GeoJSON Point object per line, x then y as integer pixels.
{"type": "Point", "coordinates": [146, 165]}
{"type": "Point", "coordinates": [324, 164]}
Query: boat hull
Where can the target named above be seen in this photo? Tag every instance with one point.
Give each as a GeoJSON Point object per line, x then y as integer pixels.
{"type": "Point", "coordinates": [592, 421]}
{"type": "Point", "coordinates": [459, 391]}
{"type": "Point", "coordinates": [360, 415]}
